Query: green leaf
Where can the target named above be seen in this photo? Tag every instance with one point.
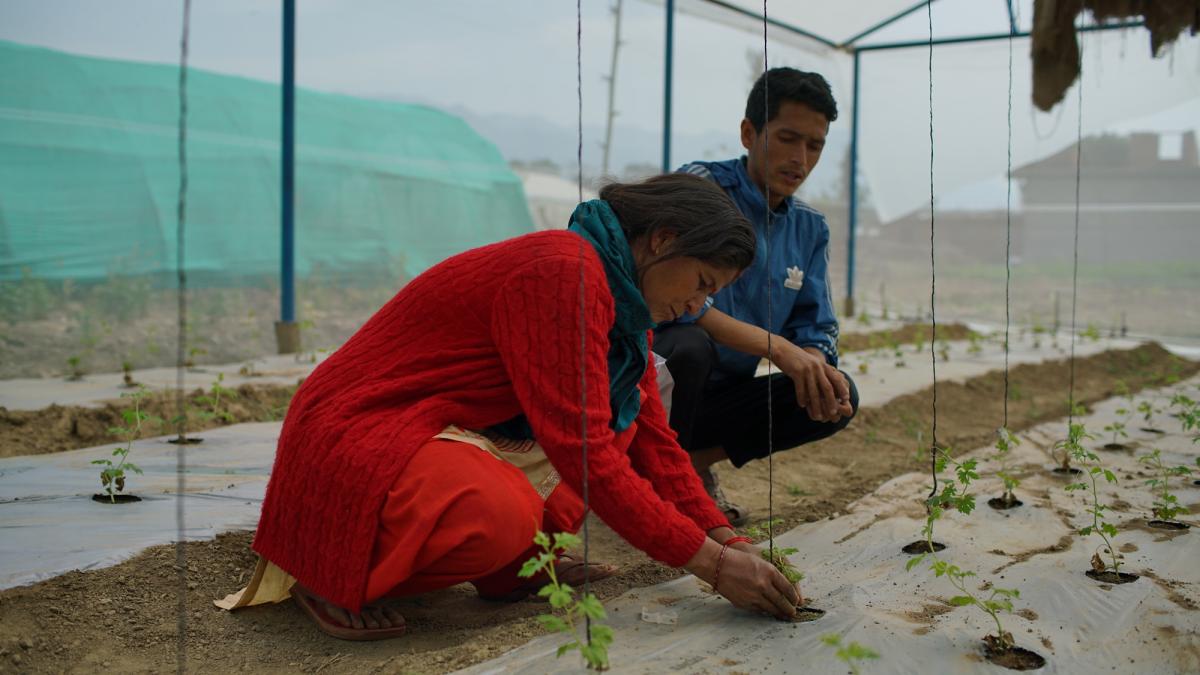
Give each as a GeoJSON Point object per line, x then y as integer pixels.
{"type": "Point", "coordinates": [962, 600]}
{"type": "Point", "coordinates": [1085, 531]}
{"type": "Point", "coordinates": [602, 634]}
{"type": "Point", "coordinates": [913, 562]}
{"type": "Point", "coordinates": [553, 623]}
{"type": "Point", "coordinates": [541, 540]}
{"type": "Point", "coordinates": [1109, 529]}
{"type": "Point", "coordinates": [565, 540]}
{"type": "Point", "coordinates": [560, 597]}
{"type": "Point", "coordinates": [1110, 476]}
{"type": "Point", "coordinates": [832, 639]}
{"type": "Point", "coordinates": [591, 607]}
{"type": "Point", "coordinates": [596, 656]}
{"type": "Point", "coordinates": [857, 651]}
{"type": "Point", "coordinates": [563, 649]}
{"type": "Point", "coordinates": [102, 462]}
{"type": "Point", "coordinates": [531, 567]}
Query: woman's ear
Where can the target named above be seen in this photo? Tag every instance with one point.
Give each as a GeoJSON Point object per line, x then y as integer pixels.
{"type": "Point", "coordinates": [660, 242]}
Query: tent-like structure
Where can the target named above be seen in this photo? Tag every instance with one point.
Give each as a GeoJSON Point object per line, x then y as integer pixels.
{"type": "Point", "coordinates": [89, 174]}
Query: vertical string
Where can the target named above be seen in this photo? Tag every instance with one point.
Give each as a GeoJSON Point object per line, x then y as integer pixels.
{"type": "Point", "coordinates": [932, 268]}
{"type": "Point", "coordinates": [1008, 227]}
{"type": "Point", "coordinates": [180, 343]}
{"type": "Point", "coordinates": [587, 578]}
{"type": "Point", "coordinates": [770, 325]}
{"type": "Point", "coordinates": [1075, 261]}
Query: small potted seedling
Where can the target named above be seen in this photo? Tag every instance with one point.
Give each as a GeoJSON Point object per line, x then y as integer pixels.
{"type": "Point", "coordinates": [75, 370]}
{"type": "Point", "coordinates": [1101, 571]}
{"type": "Point", "coordinates": [778, 557]}
{"type": "Point", "coordinates": [211, 400]}
{"type": "Point", "coordinates": [1000, 648]}
{"type": "Point", "coordinates": [576, 612]}
{"type": "Point", "coordinates": [190, 361]}
{"type": "Point", "coordinates": [127, 375]}
{"type": "Point", "coordinates": [1063, 451]}
{"type": "Point", "coordinates": [113, 473]}
{"type": "Point", "coordinates": [1166, 505]}
{"type": "Point", "coordinates": [1117, 429]}
{"type": "Point", "coordinates": [1148, 411]}
{"type": "Point", "coordinates": [852, 654]}
{"type": "Point", "coordinates": [1005, 442]}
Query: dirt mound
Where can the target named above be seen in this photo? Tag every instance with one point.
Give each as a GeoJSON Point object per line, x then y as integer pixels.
{"type": "Point", "coordinates": [59, 428]}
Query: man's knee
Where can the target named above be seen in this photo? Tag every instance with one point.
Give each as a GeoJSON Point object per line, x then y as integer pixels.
{"type": "Point", "coordinates": [687, 348]}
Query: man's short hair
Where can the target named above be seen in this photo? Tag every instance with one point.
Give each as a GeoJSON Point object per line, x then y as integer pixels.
{"type": "Point", "coordinates": [788, 84]}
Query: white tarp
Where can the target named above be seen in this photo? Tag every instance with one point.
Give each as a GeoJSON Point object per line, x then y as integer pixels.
{"type": "Point", "coordinates": [856, 572]}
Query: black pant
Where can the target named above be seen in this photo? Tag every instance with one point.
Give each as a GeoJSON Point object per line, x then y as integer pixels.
{"type": "Point", "coordinates": [733, 413]}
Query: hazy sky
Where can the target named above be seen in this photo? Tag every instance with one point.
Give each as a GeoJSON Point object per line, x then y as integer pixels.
{"type": "Point", "coordinates": [492, 58]}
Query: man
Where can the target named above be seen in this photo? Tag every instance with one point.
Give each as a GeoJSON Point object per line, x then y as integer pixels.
{"type": "Point", "coordinates": [719, 408]}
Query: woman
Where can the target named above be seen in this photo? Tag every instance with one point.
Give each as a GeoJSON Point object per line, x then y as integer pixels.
{"type": "Point", "coordinates": [387, 481]}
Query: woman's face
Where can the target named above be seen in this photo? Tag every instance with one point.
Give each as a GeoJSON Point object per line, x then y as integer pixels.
{"type": "Point", "coordinates": [677, 286]}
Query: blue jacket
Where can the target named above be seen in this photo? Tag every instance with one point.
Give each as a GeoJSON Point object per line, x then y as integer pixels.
{"type": "Point", "coordinates": [798, 272]}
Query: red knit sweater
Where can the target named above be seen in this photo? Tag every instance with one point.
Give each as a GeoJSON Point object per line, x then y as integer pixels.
{"type": "Point", "coordinates": [474, 341]}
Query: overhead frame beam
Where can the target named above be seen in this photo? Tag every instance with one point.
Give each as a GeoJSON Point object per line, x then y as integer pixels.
{"type": "Point", "coordinates": [776, 23]}
{"type": "Point", "coordinates": [885, 23]}
{"type": "Point", "coordinates": [989, 38]}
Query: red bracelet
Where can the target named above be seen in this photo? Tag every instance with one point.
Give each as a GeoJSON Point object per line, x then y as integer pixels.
{"type": "Point", "coordinates": [720, 559]}
{"type": "Point", "coordinates": [738, 539]}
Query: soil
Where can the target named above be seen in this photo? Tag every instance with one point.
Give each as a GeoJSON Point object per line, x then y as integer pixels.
{"type": "Point", "coordinates": [922, 546]}
{"type": "Point", "coordinates": [1115, 446]}
{"type": "Point", "coordinates": [58, 428]}
{"type": "Point", "coordinates": [907, 334]}
{"type": "Point", "coordinates": [1168, 525]}
{"type": "Point", "coordinates": [1015, 658]}
{"type": "Point", "coordinates": [806, 614]}
{"type": "Point", "coordinates": [1001, 504]}
{"type": "Point", "coordinates": [116, 499]}
{"type": "Point", "coordinates": [125, 616]}
{"type": "Point", "coordinates": [1111, 577]}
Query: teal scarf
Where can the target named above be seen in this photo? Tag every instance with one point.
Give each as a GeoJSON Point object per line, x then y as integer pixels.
{"type": "Point", "coordinates": [628, 348]}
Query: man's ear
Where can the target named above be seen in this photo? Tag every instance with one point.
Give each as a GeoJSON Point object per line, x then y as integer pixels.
{"type": "Point", "coordinates": [749, 134]}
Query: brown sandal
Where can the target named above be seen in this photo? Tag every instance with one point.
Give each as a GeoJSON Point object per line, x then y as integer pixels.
{"type": "Point", "coordinates": [312, 606]}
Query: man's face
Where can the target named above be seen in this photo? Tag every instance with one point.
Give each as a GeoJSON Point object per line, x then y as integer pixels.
{"type": "Point", "coordinates": [786, 151]}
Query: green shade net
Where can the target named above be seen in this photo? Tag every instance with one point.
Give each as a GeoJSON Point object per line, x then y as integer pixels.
{"type": "Point", "coordinates": [89, 177]}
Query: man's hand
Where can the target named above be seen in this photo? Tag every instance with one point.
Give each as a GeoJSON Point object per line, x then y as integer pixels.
{"type": "Point", "coordinates": [820, 388]}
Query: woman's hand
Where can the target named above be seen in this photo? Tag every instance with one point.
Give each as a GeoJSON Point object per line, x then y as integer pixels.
{"type": "Point", "coordinates": [746, 579]}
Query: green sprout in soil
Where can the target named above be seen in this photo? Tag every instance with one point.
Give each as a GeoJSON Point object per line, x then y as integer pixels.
{"type": "Point", "coordinates": [1148, 411]}
{"type": "Point", "coordinates": [863, 318]}
{"type": "Point", "coordinates": [975, 348]}
{"type": "Point", "coordinates": [75, 364]}
{"type": "Point", "coordinates": [943, 350]}
{"type": "Point", "coordinates": [211, 401]}
{"type": "Point", "coordinates": [1064, 451]}
{"type": "Point", "coordinates": [852, 654]}
{"type": "Point", "coordinates": [1073, 446]}
{"type": "Point", "coordinates": [1166, 505]}
{"type": "Point", "coordinates": [863, 367]}
{"type": "Point", "coordinates": [112, 476]}
{"type": "Point", "coordinates": [594, 646]}
{"type": "Point", "coordinates": [796, 491]}
{"type": "Point", "coordinates": [127, 374]}
{"type": "Point", "coordinates": [956, 495]}
{"type": "Point", "coordinates": [193, 352]}
{"type": "Point", "coordinates": [1117, 428]}
{"type": "Point", "coordinates": [1092, 333]}
{"type": "Point", "coordinates": [772, 554]}
{"type": "Point", "coordinates": [1006, 441]}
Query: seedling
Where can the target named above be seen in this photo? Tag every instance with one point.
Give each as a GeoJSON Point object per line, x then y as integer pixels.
{"type": "Point", "coordinates": [112, 476]}
{"type": "Point", "coordinates": [1092, 333]}
{"type": "Point", "coordinates": [248, 370]}
{"type": "Point", "coordinates": [1093, 468]}
{"type": "Point", "coordinates": [1148, 411]}
{"type": "Point", "coordinates": [1066, 450]}
{"type": "Point", "coordinates": [863, 318]}
{"type": "Point", "coordinates": [1117, 429]}
{"type": "Point", "coordinates": [76, 370]}
{"type": "Point", "coordinates": [193, 352]}
{"type": "Point", "coordinates": [592, 646]}
{"type": "Point", "coordinates": [956, 495]}
{"type": "Point", "coordinates": [975, 348]}
{"type": "Point", "coordinates": [796, 491]}
{"type": "Point", "coordinates": [1005, 442]}
{"type": "Point", "coordinates": [863, 367]}
{"type": "Point", "coordinates": [943, 350]}
{"type": "Point", "coordinates": [774, 555]}
{"type": "Point", "coordinates": [212, 402]}
{"type": "Point", "coordinates": [1166, 505]}
{"type": "Point", "coordinates": [127, 370]}
{"type": "Point", "coordinates": [852, 654]}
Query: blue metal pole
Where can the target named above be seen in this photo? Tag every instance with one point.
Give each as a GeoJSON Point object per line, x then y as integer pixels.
{"type": "Point", "coordinates": [288, 253]}
{"type": "Point", "coordinates": [666, 146]}
{"type": "Point", "coordinates": [853, 215]}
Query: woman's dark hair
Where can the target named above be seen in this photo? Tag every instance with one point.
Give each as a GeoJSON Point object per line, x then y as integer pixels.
{"type": "Point", "coordinates": [706, 223]}
{"type": "Point", "coordinates": [788, 84]}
